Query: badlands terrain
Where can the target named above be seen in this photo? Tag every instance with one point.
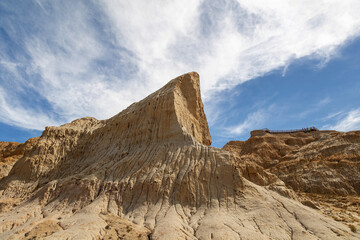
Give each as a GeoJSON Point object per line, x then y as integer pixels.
{"type": "Point", "coordinates": [149, 172]}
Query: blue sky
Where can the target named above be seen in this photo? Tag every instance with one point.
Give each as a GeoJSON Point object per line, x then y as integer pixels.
{"type": "Point", "coordinates": [275, 64]}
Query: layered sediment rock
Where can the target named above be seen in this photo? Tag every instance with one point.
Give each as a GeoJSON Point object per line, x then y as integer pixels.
{"type": "Point", "coordinates": [149, 172]}
{"type": "Point", "coordinates": [10, 152]}
{"type": "Point", "coordinates": [322, 166]}
{"type": "Point", "coordinates": [313, 162]}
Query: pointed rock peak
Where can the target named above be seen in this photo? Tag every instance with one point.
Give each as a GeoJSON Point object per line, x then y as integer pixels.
{"type": "Point", "coordinates": [173, 113]}
{"type": "Point", "coordinates": [190, 108]}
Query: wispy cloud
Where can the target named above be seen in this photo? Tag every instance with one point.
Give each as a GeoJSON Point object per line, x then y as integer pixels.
{"type": "Point", "coordinates": [316, 107]}
{"type": "Point", "coordinates": [253, 120]}
{"type": "Point", "coordinates": [332, 115]}
{"type": "Point", "coordinates": [14, 114]}
{"type": "Point", "coordinates": [351, 121]}
{"type": "Point", "coordinates": [95, 58]}
{"type": "Point", "coordinates": [323, 102]}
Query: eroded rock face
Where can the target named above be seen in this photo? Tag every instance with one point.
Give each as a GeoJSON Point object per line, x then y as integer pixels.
{"type": "Point", "coordinates": [322, 167]}
{"type": "Point", "coordinates": [149, 172]}
{"type": "Point", "coordinates": [8, 156]}
{"type": "Point", "coordinates": [313, 162]}
{"type": "Point", "coordinates": [10, 152]}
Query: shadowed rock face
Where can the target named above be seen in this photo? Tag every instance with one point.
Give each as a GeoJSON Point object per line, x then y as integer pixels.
{"type": "Point", "coordinates": [149, 172]}
{"type": "Point", "coordinates": [10, 152]}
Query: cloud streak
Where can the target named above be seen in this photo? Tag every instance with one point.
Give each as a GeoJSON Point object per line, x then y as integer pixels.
{"type": "Point", "coordinates": [349, 122]}
{"type": "Point", "coordinates": [95, 58]}
{"type": "Point", "coordinates": [253, 121]}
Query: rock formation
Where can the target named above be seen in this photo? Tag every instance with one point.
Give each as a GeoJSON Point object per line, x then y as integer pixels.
{"type": "Point", "coordinates": [322, 166]}
{"type": "Point", "coordinates": [150, 173]}
{"type": "Point", "coordinates": [10, 152]}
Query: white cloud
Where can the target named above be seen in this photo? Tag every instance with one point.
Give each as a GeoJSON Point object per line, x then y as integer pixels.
{"type": "Point", "coordinates": [332, 115]}
{"type": "Point", "coordinates": [14, 114]}
{"type": "Point", "coordinates": [96, 60]}
{"type": "Point", "coordinates": [150, 30]}
{"type": "Point", "coordinates": [323, 102]}
{"type": "Point", "coordinates": [253, 121]}
{"type": "Point", "coordinates": [350, 122]}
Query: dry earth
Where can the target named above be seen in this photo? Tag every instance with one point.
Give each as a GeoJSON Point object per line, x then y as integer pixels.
{"type": "Point", "coordinates": [150, 173]}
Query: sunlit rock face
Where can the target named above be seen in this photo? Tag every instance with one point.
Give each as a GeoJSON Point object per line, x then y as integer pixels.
{"type": "Point", "coordinates": [321, 166]}
{"type": "Point", "coordinates": [150, 172]}
{"type": "Point", "coordinates": [326, 162]}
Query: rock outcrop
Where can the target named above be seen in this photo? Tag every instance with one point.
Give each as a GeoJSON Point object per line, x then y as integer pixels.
{"type": "Point", "coordinates": [313, 162]}
{"type": "Point", "coordinates": [10, 152]}
{"type": "Point", "coordinates": [150, 173]}
{"type": "Point", "coordinates": [321, 166]}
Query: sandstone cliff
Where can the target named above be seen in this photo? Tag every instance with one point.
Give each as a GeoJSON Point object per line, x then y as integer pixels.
{"type": "Point", "coordinates": [10, 152]}
{"type": "Point", "coordinates": [323, 166]}
{"type": "Point", "coordinates": [314, 162]}
{"type": "Point", "coordinates": [149, 172]}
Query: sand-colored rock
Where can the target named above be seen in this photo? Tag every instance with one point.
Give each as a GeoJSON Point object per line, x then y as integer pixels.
{"type": "Point", "coordinates": [313, 162]}
{"type": "Point", "coordinates": [10, 152]}
{"type": "Point", "coordinates": [8, 156]}
{"type": "Point", "coordinates": [321, 166]}
{"type": "Point", "coordinates": [345, 209]}
{"type": "Point", "coordinates": [149, 172]}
